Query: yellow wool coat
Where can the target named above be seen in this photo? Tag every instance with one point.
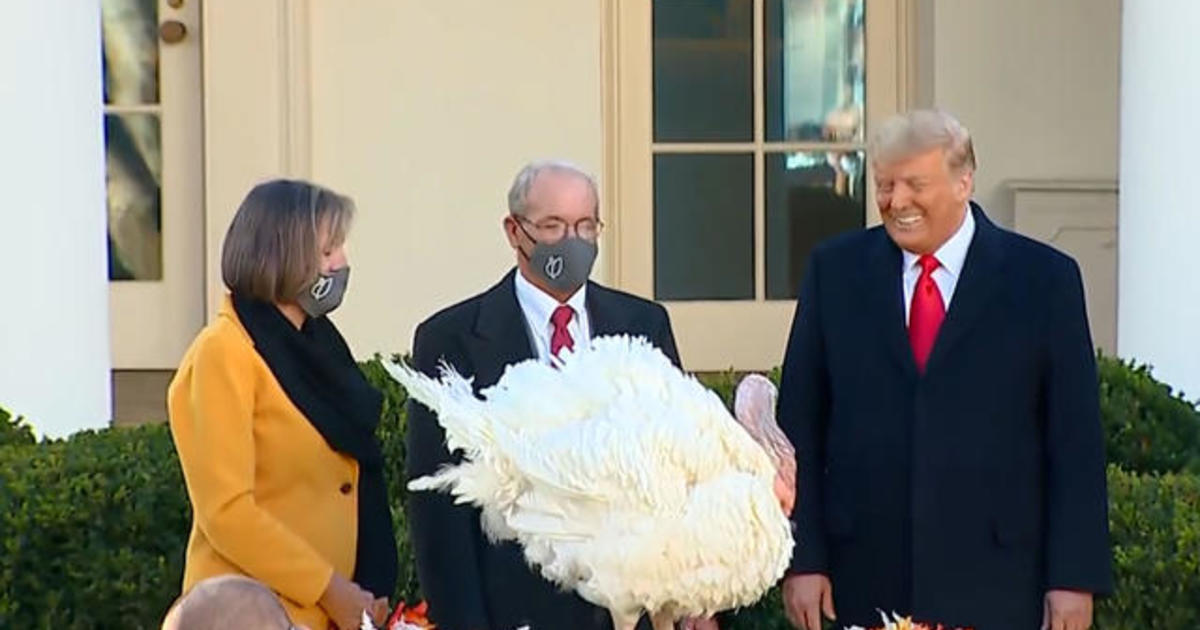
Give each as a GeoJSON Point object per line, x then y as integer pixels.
{"type": "Point", "coordinates": [270, 498]}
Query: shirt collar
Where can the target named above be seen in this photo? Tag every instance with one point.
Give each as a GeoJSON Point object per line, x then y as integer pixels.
{"type": "Point", "coordinates": [540, 306]}
{"type": "Point", "coordinates": [953, 253]}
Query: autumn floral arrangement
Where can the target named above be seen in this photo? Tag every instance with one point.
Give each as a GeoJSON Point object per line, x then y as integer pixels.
{"type": "Point", "coordinates": [903, 623]}
{"type": "Point", "coordinates": [403, 618]}
{"type": "Point", "coordinates": [407, 618]}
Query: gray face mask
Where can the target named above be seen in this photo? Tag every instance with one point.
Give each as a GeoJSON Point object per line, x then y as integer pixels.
{"type": "Point", "coordinates": [325, 293]}
{"type": "Point", "coordinates": [565, 265]}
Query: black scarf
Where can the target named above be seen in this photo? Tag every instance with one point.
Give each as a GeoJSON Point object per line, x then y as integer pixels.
{"type": "Point", "coordinates": [318, 373]}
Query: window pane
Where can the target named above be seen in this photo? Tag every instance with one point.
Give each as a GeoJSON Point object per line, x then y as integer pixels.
{"type": "Point", "coordinates": [814, 70]}
{"type": "Point", "coordinates": [130, 50]}
{"type": "Point", "coordinates": [810, 197]}
{"type": "Point", "coordinates": [133, 165]}
{"type": "Point", "coordinates": [704, 227]}
{"type": "Point", "coordinates": [703, 70]}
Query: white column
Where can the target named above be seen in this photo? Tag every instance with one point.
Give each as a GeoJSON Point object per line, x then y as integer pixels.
{"type": "Point", "coordinates": [54, 340]}
{"type": "Point", "coordinates": [1158, 313]}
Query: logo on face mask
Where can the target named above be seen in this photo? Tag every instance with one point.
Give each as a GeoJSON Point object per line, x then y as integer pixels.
{"type": "Point", "coordinates": [325, 293]}
{"type": "Point", "coordinates": [554, 267]}
{"type": "Point", "coordinates": [322, 287]}
{"type": "Point", "coordinates": [563, 265]}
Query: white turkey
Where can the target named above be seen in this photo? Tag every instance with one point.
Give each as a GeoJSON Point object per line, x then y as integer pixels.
{"type": "Point", "coordinates": [622, 478]}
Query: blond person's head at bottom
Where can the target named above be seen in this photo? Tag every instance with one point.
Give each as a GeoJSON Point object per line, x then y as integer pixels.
{"type": "Point", "coordinates": [228, 602]}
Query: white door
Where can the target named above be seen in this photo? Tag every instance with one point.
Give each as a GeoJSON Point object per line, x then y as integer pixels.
{"type": "Point", "coordinates": [154, 159]}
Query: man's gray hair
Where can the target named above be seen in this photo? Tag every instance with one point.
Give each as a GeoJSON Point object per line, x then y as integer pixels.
{"type": "Point", "coordinates": [920, 130]}
{"type": "Point", "coordinates": [518, 194]}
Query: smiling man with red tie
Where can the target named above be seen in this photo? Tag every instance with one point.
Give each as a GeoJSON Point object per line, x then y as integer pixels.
{"type": "Point", "coordinates": [540, 309]}
{"type": "Point", "coordinates": [940, 388]}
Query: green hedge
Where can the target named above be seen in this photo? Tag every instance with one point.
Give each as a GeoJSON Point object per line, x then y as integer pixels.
{"type": "Point", "coordinates": [14, 430]}
{"type": "Point", "coordinates": [93, 528]}
{"type": "Point", "coordinates": [1155, 521]}
{"type": "Point", "coordinates": [1147, 427]}
{"type": "Point", "coordinates": [391, 435]}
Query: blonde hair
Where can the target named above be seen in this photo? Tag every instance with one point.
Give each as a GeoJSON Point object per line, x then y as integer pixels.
{"type": "Point", "coordinates": [272, 249]}
{"type": "Point", "coordinates": [919, 130]}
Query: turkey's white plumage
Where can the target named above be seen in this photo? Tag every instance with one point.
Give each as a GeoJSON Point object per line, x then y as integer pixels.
{"type": "Point", "coordinates": [620, 476]}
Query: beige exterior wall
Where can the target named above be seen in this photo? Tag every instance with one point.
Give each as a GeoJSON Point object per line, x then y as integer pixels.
{"type": "Point", "coordinates": [421, 111]}
{"type": "Point", "coordinates": [424, 111]}
{"type": "Point", "coordinates": [245, 114]}
{"type": "Point", "coordinates": [1038, 85]}
{"type": "Point", "coordinates": [1036, 82]}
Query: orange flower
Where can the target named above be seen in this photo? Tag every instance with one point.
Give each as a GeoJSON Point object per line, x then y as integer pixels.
{"type": "Point", "coordinates": [414, 618]}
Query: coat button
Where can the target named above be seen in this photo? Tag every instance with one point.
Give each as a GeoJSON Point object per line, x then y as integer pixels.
{"type": "Point", "coordinates": [346, 488]}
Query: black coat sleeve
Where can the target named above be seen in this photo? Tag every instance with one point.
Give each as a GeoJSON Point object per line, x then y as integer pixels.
{"type": "Point", "coordinates": [803, 408]}
{"type": "Point", "coordinates": [444, 535]}
{"type": "Point", "coordinates": [664, 337]}
{"type": "Point", "coordinates": [1078, 556]}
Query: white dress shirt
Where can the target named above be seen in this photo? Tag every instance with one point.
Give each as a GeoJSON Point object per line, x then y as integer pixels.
{"type": "Point", "coordinates": [538, 306]}
{"type": "Point", "coordinates": [952, 254]}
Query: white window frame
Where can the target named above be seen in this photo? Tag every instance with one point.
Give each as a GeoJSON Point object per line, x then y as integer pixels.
{"type": "Point", "coordinates": [720, 334]}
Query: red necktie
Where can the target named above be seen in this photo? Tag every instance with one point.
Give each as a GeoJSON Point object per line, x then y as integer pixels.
{"type": "Point", "coordinates": [927, 312]}
{"type": "Point", "coordinates": [561, 338]}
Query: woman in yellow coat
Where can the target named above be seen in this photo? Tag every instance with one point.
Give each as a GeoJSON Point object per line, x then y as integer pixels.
{"type": "Point", "coordinates": [275, 424]}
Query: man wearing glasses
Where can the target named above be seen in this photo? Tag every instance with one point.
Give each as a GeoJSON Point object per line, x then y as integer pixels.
{"type": "Point", "coordinates": [544, 306]}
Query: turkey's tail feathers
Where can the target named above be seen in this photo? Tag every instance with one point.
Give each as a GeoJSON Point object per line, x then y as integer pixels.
{"type": "Point", "coordinates": [446, 479]}
{"type": "Point", "coordinates": [469, 482]}
{"type": "Point", "coordinates": [454, 404]}
{"type": "Point", "coordinates": [484, 479]}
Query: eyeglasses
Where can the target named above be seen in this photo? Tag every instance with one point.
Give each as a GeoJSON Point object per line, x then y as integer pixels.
{"type": "Point", "coordinates": [554, 229]}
